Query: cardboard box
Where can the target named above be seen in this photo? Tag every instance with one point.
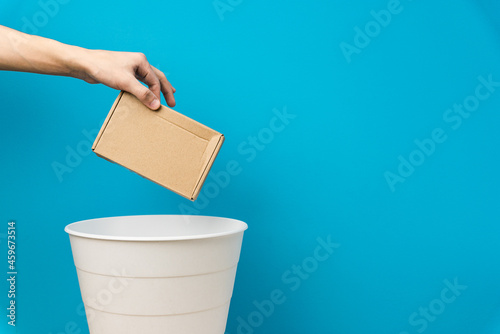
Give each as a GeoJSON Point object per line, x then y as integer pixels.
{"type": "Point", "coordinates": [163, 146]}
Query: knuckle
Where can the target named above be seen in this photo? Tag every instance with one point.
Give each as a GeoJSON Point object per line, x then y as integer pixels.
{"type": "Point", "coordinates": [155, 77]}
{"type": "Point", "coordinates": [140, 57]}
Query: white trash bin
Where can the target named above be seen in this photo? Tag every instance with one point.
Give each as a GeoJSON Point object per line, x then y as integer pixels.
{"type": "Point", "coordinates": [156, 274]}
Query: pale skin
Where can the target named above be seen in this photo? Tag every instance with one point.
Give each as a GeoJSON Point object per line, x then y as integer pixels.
{"type": "Point", "coordinates": [119, 70]}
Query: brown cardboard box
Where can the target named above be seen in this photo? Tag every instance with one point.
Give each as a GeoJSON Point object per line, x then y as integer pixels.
{"type": "Point", "coordinates": [163, 146]}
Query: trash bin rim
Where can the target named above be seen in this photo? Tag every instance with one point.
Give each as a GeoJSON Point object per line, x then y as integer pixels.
{"type": "Point", "coordinates": [72, 229]}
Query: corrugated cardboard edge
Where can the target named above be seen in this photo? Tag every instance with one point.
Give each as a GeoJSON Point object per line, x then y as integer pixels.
{"type": "Point", "coordinates": [204, 175]}
{"type": "Point", "coordinates": [106, 121]}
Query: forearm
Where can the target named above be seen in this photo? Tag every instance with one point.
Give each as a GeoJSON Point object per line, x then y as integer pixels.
{"type": "Point", "coordinates": [118, 70]}
{"type": "Point", "coordinates": [27, 53]}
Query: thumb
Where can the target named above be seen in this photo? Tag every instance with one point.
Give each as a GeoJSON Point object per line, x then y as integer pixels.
{"type": "Point", "coordinates": [144, 94]}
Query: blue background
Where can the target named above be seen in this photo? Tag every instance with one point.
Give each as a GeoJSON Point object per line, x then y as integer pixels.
{"type": "Point", "coordinates": [323, 175]}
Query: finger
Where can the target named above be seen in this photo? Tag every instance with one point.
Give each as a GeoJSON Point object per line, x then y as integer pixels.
{"type": "Point", "coordinates": [146, 74]}
{"type": "Point", "coordinates": [166, 88]}
{"type": "Point", "coordinates": [144, 94]}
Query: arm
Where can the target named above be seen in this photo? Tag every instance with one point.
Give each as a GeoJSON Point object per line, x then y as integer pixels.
{"type": "Point", "coordinates": [119, 70]}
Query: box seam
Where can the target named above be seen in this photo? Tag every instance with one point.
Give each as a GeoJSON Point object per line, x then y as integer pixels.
{"type": "Point", "coordinates": [181, 127]}
{"type": "Point", "coordinates": [106, 122]}
{"type": "Point", "coordinates": [205, 172]}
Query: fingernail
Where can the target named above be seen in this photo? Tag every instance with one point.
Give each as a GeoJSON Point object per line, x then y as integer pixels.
{"type": "Point", "coordinates": [155, 104]}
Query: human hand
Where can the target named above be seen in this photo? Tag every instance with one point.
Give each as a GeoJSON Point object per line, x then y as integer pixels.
{"type": "Point", "coordinates": [123, 71]}
{"type": "Point", "coordinates": [119, 70]}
